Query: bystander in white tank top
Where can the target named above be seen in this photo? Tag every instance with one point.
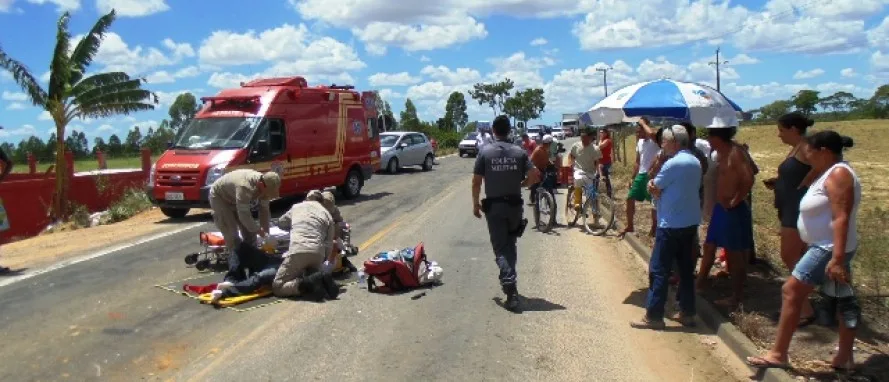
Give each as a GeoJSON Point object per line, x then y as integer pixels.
{"type": "Point", "coordinates": [815, 222]}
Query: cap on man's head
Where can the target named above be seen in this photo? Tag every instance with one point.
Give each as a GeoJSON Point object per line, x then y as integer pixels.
{"type": "Point", "coordinates": [272, 183]}
{"type": "Point", "coordinates": [547, 139]}
{"type": "Point", "coordinates": [327, 198]}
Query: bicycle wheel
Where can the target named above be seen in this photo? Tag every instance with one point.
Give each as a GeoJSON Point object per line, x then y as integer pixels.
{"type": "Point", "coordinates": [598, 214]}
{"type": "Point", "coordinates": [570, 214]}
{"type": "Point", "coordinates": [546, 206]}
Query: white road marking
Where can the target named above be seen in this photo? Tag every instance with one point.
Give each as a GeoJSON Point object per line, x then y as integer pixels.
{"type": "Point", "coordinates": [66, 263]}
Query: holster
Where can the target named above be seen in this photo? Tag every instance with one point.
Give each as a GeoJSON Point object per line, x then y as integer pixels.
{"type": "Point", "coordinates": [514, 201]}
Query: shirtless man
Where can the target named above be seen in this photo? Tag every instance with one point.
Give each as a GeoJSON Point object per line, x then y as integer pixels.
{"type": "Point", "coordinates": [731, 221]}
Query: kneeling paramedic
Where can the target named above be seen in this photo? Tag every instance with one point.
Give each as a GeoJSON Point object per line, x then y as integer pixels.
{"type": "Point", "coordinates": [230, 198]}
{"type": "Point", "coordinates": [312, 235]}
{"type": "Point", "coordinates": [504, 168]}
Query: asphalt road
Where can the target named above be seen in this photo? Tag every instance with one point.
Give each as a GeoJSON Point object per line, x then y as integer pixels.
{"type": "Point", "coordinates": [102, 319]}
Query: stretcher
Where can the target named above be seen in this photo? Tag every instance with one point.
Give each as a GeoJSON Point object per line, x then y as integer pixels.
{"type": "Point", "coordinates": [207, 298]}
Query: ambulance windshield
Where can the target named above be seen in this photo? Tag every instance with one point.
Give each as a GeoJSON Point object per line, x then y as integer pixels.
{"type": "Point", "coordinates": [217, 133]}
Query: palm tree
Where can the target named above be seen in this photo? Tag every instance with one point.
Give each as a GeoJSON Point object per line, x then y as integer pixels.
{"type": "Point", "coordinates": [70, 96]}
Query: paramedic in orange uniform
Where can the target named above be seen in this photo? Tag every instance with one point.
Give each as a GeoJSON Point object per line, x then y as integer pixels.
{"type": "Point", "coordinates": [230, 199]}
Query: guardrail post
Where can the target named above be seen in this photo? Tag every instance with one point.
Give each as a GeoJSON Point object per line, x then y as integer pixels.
{"type": "Point", "coordinates": [103, 164]}
{"type": "Point", "coordinates": [146, 161]}
{"type": "Point", "coordinates": [32, 164]}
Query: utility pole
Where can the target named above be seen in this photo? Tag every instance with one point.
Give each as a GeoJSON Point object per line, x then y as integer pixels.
{"type": "Point", "coordinates": [717, 63]}
{"type": "Point", "coordinates": [605, 77]}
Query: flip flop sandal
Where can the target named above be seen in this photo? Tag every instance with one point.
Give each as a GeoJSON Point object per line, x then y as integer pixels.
{"type": "Point", "coordinates": [762, 363]}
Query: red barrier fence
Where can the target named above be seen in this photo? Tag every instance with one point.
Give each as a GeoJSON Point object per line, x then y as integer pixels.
{"type": "Point", "coordinates": [28, 197]}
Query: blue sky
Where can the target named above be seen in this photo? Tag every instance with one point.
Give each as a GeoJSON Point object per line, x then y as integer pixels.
{"type": "Point", "coordinates": [427, 50]}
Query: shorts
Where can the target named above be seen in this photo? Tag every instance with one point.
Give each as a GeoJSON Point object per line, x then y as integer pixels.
{"type": "Point", "coordinates": [639, 189]}
{"type": "Point", "coordinates": [812, 267]}
{"type": "Point", "coordinates": [731, 229]}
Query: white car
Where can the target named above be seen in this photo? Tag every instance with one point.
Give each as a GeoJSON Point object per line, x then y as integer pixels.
{"type": "Point", "coordinates": [469, 145]}
{"type": "Point", "coordinates": [558, 133]}
{"type": "Point", "coordinates": [405, 148]}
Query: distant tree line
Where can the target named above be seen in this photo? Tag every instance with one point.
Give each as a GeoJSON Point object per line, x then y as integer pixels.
{"type": "Point", "coordinates": [835, 107]}
{"type": "Point", "coordinates": [155, 138]}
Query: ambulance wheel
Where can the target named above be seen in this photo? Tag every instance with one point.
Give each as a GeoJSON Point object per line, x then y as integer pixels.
{"type": "Point", "coordinates": [174, 213]}
{"type": "Point", "coordinates": [352, 187]}
{"type": "Point", "coordinates": [191, 259]}
{"type": "Point", "coordinates": [202, 265]}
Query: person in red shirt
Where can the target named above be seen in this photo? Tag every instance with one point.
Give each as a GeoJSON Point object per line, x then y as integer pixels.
{"type": "Point", "coordinates": [528, 144]}
{"type": "Point", "coordinates": [605, 147]}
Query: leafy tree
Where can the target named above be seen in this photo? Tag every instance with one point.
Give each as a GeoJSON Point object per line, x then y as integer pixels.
{"type": "Point", "coordinates": [183, 109]}
{"type": "Point", "coordinates": [805, 101]}
{"type": "Point", "coordinates": [115, 147]}
{"type": "Point", "coordinates": [409, 120]}
{"type": "Point", "coordinates": [526, 105]}
{"type": "Point", "coordinates": [72, 95]}
{"type": "Point", "coordinates": [387, 121]}
{"type": "Point", "coordinates": [494, 95]}
{"type": "Point", "coordinates": [455, 111]}
{"type": "Point", "coordinates": [774, 110]}
{"type": "Point", "coordinates": [99, 145]}
{"type": "Point", "coordinates": [133, 142]}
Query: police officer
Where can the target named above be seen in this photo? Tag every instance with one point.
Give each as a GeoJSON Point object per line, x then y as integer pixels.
{"type": "Point", "coordinates": [504, 168]}
{"type": "Point", "coordinates": [230, 198]}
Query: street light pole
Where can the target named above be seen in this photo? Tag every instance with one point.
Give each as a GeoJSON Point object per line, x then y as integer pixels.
{"type": "Point", "coordinates": [605, 77]}
{"type": "Point", "coordinates": [717, 63]}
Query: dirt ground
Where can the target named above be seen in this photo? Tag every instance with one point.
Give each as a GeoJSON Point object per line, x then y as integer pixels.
{"type": "Point", "coordinates": [815, 344]}
{"type": "Point", "coordinates": [46, 249]}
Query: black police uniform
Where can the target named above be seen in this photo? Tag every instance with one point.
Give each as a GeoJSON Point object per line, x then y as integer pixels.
{"type": "Point", "coordinates": [504, 166]}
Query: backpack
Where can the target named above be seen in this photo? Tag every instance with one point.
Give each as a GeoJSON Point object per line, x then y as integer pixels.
{"type": "Point", "coordinates": [395, 274]}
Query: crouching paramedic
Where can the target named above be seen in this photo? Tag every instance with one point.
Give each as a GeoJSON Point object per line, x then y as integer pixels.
{"type": "Point", "coordinates": [312, 235]}
{"type": "Point", "coordinates": [230, 198]}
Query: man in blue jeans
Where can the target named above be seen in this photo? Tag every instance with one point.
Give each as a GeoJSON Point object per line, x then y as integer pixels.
{"type": "Point", "coordinates": [679, 212]}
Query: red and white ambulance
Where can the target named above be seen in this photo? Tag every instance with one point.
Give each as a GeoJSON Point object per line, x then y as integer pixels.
{"type": "Point", "coordinates": [314, 137]}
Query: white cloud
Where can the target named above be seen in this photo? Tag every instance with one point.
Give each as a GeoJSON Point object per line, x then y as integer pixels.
{"type": "Point", "coordinates": [538, 41]}
{"type": "Point", "coordinates": [24, 131]}
{"type": "Point", "coordinates": [143, 126]}
{"type": "Point", "coordinates": [804, 75]}
{"type": "Point", "coordinates": [770, 32]}
{"type": "Point", "coordinates": [615, 25]}
{"type": "Point", "coordinates": [15, 106]}
{"type": "Point", "coordinates": [848, 73]}
{"type": "Point", "coordinates": [132, 8]}
{"type": "Point", "coordinates": [459, 76]}
{"type": "Point", "coordinates": [743, 59]}
{"type": "Point", "coordinates": [15, 97]}
{"type": "Point", "coordinates": [106, 128]}
{"type": "Point", "coordinates": [879, 36]}
{"type": "Point", "coordinates": [44, 116]}
{"type": "Point", "coordinates": [4, 75]}
{"type": "Point", "coordinates": [162, 76]}
{"type": "Point", "coordinates": [825, 9]}
{"type": "Point", "coordinates": [880, 62]}
{"type": "Point", "coordinates": [425, 59]}
{"type": "Point", "coordinates": [292, 50]}
{"type": "Point", "coordinates": [62, 5]}
{"type": "Point", "coordinates": [165, 99]}
{"type": "Point", "coordinates": [115, 55]}
{"type": "Point", "coordinates": [5, 5]}
{"type": "Point", "coordinates": [394, 79]}
{"type": "Point", "coordinates": [378, 35]}
{"type": "Point", "coordinates": [179, 50]}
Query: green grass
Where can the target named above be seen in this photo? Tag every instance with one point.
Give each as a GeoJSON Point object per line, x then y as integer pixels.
{"type": "Point", "coordinates": [86, 164]}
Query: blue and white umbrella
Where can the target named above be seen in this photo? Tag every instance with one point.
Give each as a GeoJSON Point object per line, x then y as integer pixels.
{"type": "Point", "coordinates": [697, 103]}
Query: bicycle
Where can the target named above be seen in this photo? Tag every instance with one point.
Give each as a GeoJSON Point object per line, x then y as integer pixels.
{"type": "Point", "coordinates": [546, 203]}
{"type": "Point", "coordinates": [599, 203]}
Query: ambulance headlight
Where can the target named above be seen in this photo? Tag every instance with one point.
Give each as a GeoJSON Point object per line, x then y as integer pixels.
{"type": "Point", "coordinates": [214, 173]}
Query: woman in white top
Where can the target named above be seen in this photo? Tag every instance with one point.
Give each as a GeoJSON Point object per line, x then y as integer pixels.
{"type": "Point", "coordinates": [827, 224]}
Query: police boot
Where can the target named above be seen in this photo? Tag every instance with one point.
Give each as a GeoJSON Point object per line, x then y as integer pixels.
{"type": "Point", "coordinates": [512, 303]}
{"type": "Point", "coordinates": [311, 287]}
{"type": "Point", "coordinates": [330, 286]}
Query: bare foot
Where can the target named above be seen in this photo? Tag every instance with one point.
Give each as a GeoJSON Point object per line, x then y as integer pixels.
{"type": "Point", "coordinates": [624, 233]}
